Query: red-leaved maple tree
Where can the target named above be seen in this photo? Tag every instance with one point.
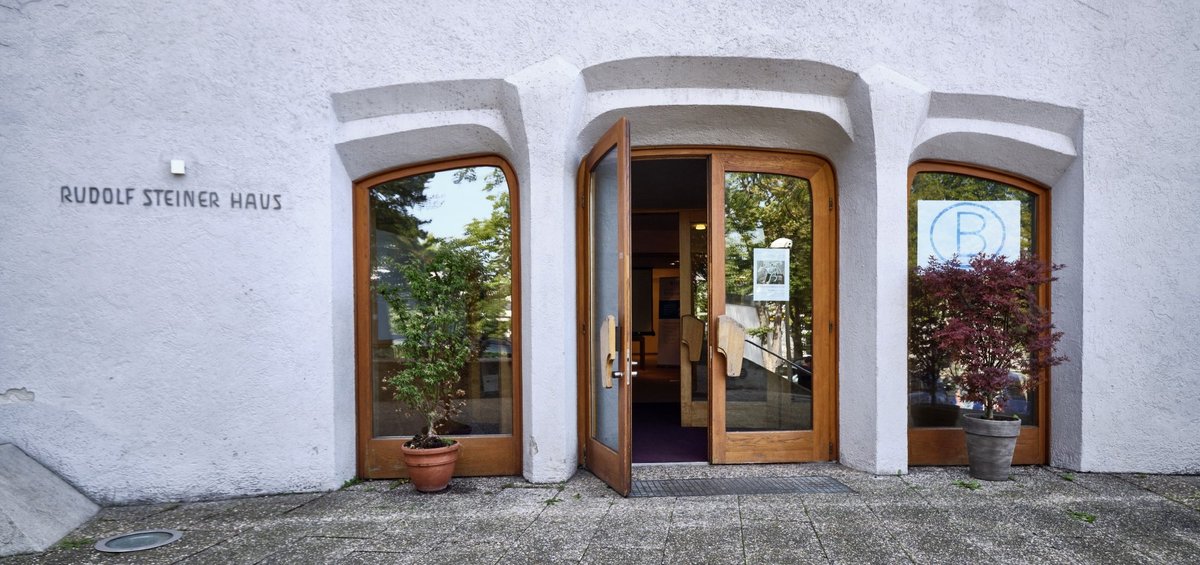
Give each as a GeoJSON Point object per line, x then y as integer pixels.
{"type": "Point", "coordinates": [994, 324]}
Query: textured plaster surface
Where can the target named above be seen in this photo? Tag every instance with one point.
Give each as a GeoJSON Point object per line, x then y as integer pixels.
{"type": "Point", "coordinates": [177, 352]}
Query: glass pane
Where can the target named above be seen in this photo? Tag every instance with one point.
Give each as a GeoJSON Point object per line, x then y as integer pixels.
{"type": "Point", "coordinates": [768, 289]}
{"type": "Point", "coordinates": [932, 402]}
{"type": "Point", "coordinates": [698, 233]}
{"type": "Point", "coordinates": [605, 286]}
{"type": "Point", "coordinates": [465, 209]}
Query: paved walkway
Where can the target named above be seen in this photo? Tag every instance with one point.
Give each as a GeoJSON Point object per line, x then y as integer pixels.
{"type": "Point", "coordinates": [933, 515]}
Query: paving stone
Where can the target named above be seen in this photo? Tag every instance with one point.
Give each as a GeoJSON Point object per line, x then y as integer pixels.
{"type": "Point", "coordinates": [552, 544]}
{"type": "Point", "coordinates": [651, 533]}
{"type": "Point", "coordinates": [715, 510]}
{"type": "Point", "coordinates": [853, 540]}
{"type": "Point", "coordinates": [789, 508]}
{"type": "Point", "coordinates": [622, 555]}
{"type": "Point", "coordinates": [781, 542]}
{"type": "Point", "coordinates": [313, 550]}
{"type": "Point", "coordinates": [245, 548]}
{"type": "Point", "coordinates": [929, 535]}
{"type": "Point", "coordinates": [464, 552]}
{"type": "Point", "coordinates": [380, 558]}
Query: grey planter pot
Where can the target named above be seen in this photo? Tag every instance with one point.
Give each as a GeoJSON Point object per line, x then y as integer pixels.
{"type": "Point", "coordinates": [990, 446]}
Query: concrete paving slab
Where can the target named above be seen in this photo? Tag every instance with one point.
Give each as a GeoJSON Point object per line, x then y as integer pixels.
{"type": "Point", "coordinates": [312, 550]}
{"type": "Point", "coordinates": [622, 555]}
{"type": "Point", "coordinates": [856, 538]}
{"type": "Point", "coordinates": [549, 544]}
{"type": "Point", "coordinates": [37, 507]}
{"type": "Point", "coordinates": [787, 508]}
{"type": "Point", "coordinates": [380, 558]}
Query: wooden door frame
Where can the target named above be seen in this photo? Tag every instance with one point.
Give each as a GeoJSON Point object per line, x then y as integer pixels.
{"type": "Point", "coordinates": [815, 167]}
{"type": "Point", "coordinates": [481, 455]}
{"type": "Point", "coordinates": [947, 446]}
{"type": "Point", "coordinates": [820, 443]}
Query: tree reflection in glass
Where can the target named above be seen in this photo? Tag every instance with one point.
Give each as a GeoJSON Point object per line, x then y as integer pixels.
{"type": "Point", "coordinates": [465, 208]}
{"type": "Point", "coordinates": [773, 214]}
{"type": "Point", "coordinates": [932, 401]}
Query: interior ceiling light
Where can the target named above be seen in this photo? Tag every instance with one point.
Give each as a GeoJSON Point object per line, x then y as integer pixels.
{"type": "Point", "coordinates": [699, 227]}
{"type": "Point", "coordinates": [137, 541]}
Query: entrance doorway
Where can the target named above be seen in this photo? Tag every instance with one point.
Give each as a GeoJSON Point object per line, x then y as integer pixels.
{"type": "Point", "coordinates": [707, 307]}
{"type": "Point", "coordinates": [669, 197]}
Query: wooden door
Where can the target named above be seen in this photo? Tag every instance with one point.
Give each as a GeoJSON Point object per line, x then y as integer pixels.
{"type": "Point", "coordinates": [772, 312]}
{"type": "Point", "coordinates": [605, 307]}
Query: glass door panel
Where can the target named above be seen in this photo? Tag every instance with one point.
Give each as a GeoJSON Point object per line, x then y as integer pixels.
{"type": "Point", "coordinates": [768, 290]}
{"type": "Point", "coordinates": [605, 302]}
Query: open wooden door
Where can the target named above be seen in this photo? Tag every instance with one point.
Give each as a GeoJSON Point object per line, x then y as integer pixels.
{"type": "Point", "coordinates": [605, 308]}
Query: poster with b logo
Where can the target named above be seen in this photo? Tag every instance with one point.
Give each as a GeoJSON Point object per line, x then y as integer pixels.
{"type": "Point", "coordinates": [946, 228]}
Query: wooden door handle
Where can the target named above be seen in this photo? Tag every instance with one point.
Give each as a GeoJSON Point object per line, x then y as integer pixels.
{"type": "Point", "coordinates": [608, 348]}
{"type": "Point", "coordinates": [731, 342]}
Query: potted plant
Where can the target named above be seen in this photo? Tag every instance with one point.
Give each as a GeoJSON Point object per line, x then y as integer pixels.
{"type": "Point", "coordinates": [433, 313]}
{"type": "Point", "coordinates": [993, 328]}
{"type": "Point", "coordinates": [927, 359]}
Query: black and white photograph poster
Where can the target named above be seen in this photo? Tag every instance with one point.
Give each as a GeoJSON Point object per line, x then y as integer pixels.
{"type": "Point", "coordinates": [771, 275]}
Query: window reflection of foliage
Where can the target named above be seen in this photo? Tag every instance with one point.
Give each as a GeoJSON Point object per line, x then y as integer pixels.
{"type": "Point", "coordinates": [953, 186]}
{"type": "Point", "coordinates": [928, 364]}
{"type": "Point", "coordinates": [491, 238]}
{"type": "Point", "coordinates": [391, 205]}
{"type": "Point", "coordinates": [398, 238]}
{"type": "Point", "coordinates": [759, 209]}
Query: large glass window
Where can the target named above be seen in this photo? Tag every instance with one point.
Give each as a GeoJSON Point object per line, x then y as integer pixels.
{"type": "Point", "coordinates": [465, 210]}
{"type": "Point", "coordinates": [933, 403]}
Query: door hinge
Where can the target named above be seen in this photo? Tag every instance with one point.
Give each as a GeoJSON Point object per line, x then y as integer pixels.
{"type": "Point", "coordinates": [831, 451]}
{"type": "Point", "coordinates": [830, 203]}
{"type": "Point", "coordinates": [830, 327]}
{"type": "Point", "coordinates": [583, 328]}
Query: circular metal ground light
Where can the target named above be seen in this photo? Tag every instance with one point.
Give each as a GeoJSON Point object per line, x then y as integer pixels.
{"type": "Point", "coordinates": [137, 541]}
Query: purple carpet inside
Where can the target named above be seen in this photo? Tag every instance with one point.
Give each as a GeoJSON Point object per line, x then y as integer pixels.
{"type": "Point", "coordinates": [658, 437]}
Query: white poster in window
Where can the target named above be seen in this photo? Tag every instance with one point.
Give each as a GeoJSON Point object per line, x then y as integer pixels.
{"type": "Point", "coordinates": [946, 228]}
{"type": "Point", "coordinates": [771, 275]}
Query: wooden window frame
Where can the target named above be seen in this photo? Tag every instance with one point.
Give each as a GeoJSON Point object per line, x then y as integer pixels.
{"type": "Point", "coordinates": [947, 446]}
{"type": "Point", "coordinates": [481, 455]}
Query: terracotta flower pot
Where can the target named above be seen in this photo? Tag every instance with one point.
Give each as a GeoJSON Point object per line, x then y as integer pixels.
{"type": "Point", "coordinates": [990, 446]}
{"type": "Point", "coordinates": [430, 469]}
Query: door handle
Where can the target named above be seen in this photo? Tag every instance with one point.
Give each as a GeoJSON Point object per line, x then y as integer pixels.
{"type": "Point", "coordinates": [731, 342]}
{"type": "Point", "coordinates": [608, 344]}
{"type": "Point", "coordinates": [693, 337]}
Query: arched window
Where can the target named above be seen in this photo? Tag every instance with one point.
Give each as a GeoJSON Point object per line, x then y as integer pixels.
{"type": "Point", "coordinates": [465, 208]}
{"type": "Point", "coordinates": [964, 210]}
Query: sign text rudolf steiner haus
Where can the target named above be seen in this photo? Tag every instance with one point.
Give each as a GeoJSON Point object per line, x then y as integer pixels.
{"type": "Point", "coordinates": [91, 195]}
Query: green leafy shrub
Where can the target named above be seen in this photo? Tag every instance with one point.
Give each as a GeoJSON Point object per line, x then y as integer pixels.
{"type": "Point", "coordinates": [435, 314]}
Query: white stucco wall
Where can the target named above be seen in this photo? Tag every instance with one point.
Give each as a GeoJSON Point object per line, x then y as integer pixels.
{"type": "Point", "coordinates": [159, 352]}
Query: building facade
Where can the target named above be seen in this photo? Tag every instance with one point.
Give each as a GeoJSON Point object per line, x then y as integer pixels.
{"type": "Point", "coordinates": [212, 329]}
